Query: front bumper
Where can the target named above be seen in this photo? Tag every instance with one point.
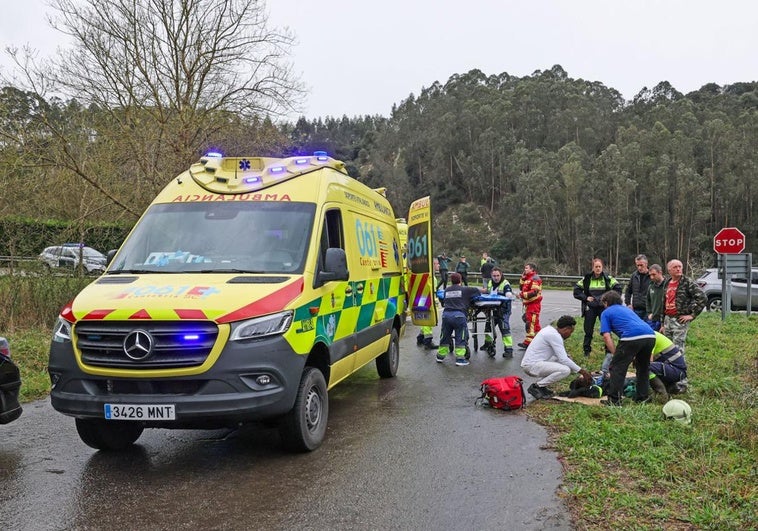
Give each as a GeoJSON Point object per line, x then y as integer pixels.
{"type": "Point", "coordinates": [230, 392]}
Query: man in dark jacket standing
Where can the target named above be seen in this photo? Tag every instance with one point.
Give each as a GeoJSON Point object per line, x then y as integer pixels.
{"type": "Point", "coordinates": [589, 290]}
{"type": "Point", "coordinates": [462, 269]}
{"type": "Point", "coordinates": [486, 266]}
{"type": "Point", "coordinates": [636, 291]}
{"type": "Point", "coordinates": [444, 262]}
{"type": "Point", "coordinates": [655, 295]}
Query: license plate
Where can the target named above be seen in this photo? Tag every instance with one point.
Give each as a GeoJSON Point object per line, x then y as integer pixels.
{"type": "Point", "coordinates": [140, 412]}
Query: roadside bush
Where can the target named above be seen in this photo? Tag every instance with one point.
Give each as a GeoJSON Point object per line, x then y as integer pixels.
{"type": "Point", "coordinates": [27, 237]}
{"type": "Point", "coordinates": [34, 301]}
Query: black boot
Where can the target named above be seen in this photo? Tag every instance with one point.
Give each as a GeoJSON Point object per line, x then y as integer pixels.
{"type": "Point", "coordinates": [657, 385]}
{"type": "Point", "coordinates": [429, 344]}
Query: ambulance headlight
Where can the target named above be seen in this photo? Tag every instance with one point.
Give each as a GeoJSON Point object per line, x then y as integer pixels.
{"type": "Point", "coordinates": [62, 331]}
{"type": "Point", "coordinates": [269, 325]}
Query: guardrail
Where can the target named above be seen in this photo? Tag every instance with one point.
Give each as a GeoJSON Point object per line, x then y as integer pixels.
{"type": "Point", "coordinates": [13, 261]}
{"type": "Point", "coordinates": [475, 277]}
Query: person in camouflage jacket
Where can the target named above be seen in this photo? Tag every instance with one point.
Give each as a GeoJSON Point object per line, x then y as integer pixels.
{"type": "Point", "coordinates": [683, 300]}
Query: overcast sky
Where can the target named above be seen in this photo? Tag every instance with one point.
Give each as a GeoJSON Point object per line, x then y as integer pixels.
{"type": "Point", "coordinates": [362, 56]}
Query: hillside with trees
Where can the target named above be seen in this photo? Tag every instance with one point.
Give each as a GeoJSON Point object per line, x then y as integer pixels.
{"type": "Point", "coordinates": [544, 166]}
{"type": "Point", "coordinates": [563, 169]}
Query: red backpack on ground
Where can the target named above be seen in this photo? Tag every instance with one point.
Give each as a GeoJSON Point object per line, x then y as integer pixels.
{"type": "Point", "coordinates": [505, 392]}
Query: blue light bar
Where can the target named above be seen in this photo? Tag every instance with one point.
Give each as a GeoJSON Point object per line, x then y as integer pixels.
{"type": "Point", "coordinates": [191, 337]}
{"type": "Point", "coordinates": [252, 180]}
{"type": "Point", "coordinates": [301, 161]}
{"type": "Point", "coordinates": [276, 169]}
{"type": "Point", "coordinates": [214, 155]}
{"type": "Point", "coordinates": [321, 155]}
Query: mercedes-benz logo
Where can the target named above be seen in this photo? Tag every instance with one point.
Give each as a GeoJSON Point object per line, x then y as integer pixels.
{"type": "Point", "coordinates": [138, 345]}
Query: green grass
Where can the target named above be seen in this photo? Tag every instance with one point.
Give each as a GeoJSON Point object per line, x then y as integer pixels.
{"type": "Point", "coordinates": [625, 468]}
{"type": "Point", "coordinates": [29, 350]}
{"type": "Point", "coordinates": [628, 468]}
{"type": "Point", "coordinates": [29, 306]}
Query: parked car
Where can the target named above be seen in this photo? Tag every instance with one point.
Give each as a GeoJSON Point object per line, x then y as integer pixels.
{"type": "Point", "coordinates": [710, 283]}
{"type": "Point", "coordinates": [68, 255]}
{"type": "Point", "coordinates": [10, 383]}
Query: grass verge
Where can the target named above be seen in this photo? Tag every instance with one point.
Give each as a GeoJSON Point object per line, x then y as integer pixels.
{"type": "Point", "coordinates": [628, 468]}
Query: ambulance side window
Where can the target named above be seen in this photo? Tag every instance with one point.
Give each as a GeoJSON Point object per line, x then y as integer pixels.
{"type": "Point", "coordinates": [333, 234]}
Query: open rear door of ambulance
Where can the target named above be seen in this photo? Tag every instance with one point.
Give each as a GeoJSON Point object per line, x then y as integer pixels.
{"type": "Point", "coordinates": [421, 281]}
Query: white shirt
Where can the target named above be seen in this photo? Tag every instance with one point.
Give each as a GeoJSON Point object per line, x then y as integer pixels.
{"type": "Point", "coordinates": [547, 345]}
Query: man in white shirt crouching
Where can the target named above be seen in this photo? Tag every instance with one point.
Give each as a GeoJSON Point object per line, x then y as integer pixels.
{"type": "Point", "coordinates": [546, 358]}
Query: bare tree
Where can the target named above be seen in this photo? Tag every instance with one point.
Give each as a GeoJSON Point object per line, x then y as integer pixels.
{"type": "Point", "coordinates": [158, 82]}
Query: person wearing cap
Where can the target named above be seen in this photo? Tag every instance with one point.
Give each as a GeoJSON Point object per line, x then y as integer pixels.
{"type": "Point", "coordinates": [546, 358]}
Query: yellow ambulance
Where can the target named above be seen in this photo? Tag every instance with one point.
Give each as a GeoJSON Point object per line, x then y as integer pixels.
{"type": "Point", "coordinates": [247, 289]}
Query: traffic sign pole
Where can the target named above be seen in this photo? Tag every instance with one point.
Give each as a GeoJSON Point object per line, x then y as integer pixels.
{"type": "Point", "coordinates": [729, 242]}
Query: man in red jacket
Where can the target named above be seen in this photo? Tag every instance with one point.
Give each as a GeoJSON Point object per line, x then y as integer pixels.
{"type": "Point", "coordinates": [530, 294]}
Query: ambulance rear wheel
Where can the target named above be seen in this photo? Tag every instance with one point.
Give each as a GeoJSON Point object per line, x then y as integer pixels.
{"type": "Point", "coordinates": [387, 363]}
{"type": "Point", "coordinates": [108, 434]}
{"type": "Point", "coordinates": [304, 427]}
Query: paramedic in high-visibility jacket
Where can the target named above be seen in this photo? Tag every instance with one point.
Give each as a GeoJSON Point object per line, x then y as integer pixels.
{"type": "Point", "coordinates": [530, 286]}
{"type": "Point", "coordinates": [500, 285]}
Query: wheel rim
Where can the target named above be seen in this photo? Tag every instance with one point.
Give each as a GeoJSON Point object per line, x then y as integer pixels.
{"type": "Point", "coordinates": [313, 409]}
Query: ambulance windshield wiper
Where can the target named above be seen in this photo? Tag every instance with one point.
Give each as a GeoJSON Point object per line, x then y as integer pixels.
{"type": "Point", "coordinates": [231, 270]}
{"type": "Point", "coordinates": [140, 271]}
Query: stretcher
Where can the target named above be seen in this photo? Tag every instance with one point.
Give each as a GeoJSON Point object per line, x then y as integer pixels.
{"type": "Point", "coordinates": [481, 311]}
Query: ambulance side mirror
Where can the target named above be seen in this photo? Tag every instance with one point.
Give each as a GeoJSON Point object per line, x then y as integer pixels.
{"type": "Point", "coordinates": [335, 266]}
{"type": "Point", "coordinates": [109, 256]}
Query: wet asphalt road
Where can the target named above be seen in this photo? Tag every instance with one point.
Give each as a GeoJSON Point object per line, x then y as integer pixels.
{"type": "Point", "coordinates": [413, 452]}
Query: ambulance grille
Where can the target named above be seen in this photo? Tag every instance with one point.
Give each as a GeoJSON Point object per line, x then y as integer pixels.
{"type": "Point", "coordinates": [145, 344]}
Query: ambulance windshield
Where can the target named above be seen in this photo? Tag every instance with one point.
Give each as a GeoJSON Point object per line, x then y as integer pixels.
{"type": "Point", "coordinates": [219, 237]}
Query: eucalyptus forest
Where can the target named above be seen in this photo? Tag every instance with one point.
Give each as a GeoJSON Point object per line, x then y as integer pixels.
{"type": "Point", "coordinates": [564, 169]}
{"type": "Point", "coordinates": [557, 169]}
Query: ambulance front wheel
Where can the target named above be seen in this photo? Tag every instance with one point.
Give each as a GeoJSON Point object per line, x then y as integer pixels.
{"type": "Point", "coordinates": [387, 363]}
{"type": "Point", "coordinates": [102, 434]}
{"type": "Point", "coordinates": [304, 427]}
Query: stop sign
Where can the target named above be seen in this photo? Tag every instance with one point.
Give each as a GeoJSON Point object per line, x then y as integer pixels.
{"type": "Point", "coordinates": [729, 240]}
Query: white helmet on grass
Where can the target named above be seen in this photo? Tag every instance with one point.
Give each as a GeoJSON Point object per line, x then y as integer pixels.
{"type": "Point", "coordinates": [678, 410]}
